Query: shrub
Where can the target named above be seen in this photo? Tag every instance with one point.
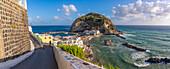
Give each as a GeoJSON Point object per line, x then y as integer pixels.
{"type": "Point", "coordinates": [78, 52]}
{"type": "Point", "coordinates": [74, 50]}
{"type": "Point", "coordinates": [110, 66]}
{"type": "Point", "coordinates": [38, 38]}
{"type": "Point", "coordinates": [12, 25]}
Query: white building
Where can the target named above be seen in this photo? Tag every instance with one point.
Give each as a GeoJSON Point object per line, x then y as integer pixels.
{"type": "Point", "coordinates": [70, 41]}
{"type": "Point", "coordinates": [46, 38]}
{"type": "Point", "coordinates": [30, 28]}
{"type": "Point", "coordinates": [97, 32]}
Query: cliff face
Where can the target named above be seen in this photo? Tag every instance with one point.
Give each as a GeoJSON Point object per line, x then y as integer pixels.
{"type": "Point", "coordinates": [94, 21]}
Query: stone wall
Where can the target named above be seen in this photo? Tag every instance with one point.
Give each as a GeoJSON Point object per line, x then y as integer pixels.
{"type": "Point", "coordinates": [14, 30]}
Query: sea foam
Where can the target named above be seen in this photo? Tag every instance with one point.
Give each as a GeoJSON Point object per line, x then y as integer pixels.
{"type": "Point", "coordinates": [128, 35]}
{"type": "Point", "coordinates": [138, 55]}
{"type": "Point", "coordinates": [141, 65]}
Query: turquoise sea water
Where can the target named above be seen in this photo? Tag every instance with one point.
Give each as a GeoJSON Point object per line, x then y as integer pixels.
{"type": "Point", "coordinates": [154, 38]}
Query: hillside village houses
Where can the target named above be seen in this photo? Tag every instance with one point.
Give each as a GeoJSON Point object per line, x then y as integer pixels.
{"type": "Point", "coordinates": [91, 32]}
{"type": "Point", "coordinates": [73, 40]}
{"type": "Point", "coordinates": [30, 29]}
{"type": "Point", "coordinates": [70, 40]}
{"type": "Point", "coordinates": [46, 38]}
{"type": "Point", "coordinates": [79, 41]}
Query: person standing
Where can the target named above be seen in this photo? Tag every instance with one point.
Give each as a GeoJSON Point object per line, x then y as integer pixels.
{"type": "Point", "coordinates": [49, 43]}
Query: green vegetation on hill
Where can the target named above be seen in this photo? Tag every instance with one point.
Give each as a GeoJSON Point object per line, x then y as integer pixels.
{"type": "Point", "coordinates": [38, 38]}
{"type": "Point", "coordinates": [94, 21]}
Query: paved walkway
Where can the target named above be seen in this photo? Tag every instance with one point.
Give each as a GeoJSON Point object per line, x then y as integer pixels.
{"type": "Point", "coordinates": [43, 58]}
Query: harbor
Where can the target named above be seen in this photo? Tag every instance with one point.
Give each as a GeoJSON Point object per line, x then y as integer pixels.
{"type": "Point", "coordinates": [80, 39]}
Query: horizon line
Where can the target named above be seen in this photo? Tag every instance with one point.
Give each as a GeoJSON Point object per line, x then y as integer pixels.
{"type": "Point", "coordinates": [115, 25]}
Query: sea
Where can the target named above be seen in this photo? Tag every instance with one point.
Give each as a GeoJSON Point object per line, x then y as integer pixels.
{"type": "Point", "coordinates": [156, 39]}
{"type": "Point", "coordinates": [40, 29]}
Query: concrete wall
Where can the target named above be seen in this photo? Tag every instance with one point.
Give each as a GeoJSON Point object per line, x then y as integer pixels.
{"type": "Point", "coordinates": [32, 45]}
{"type": "Point", "coordinates": [61, 60]}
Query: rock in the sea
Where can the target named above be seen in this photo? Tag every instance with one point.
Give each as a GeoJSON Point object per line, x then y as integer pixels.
{"type": "Point", "coordinates": [120, 36]}
{"type": "Point", "coordinates": [134, 47]}
{"type": "Point", "coordinates": [158, 60]}
{"type": "Point", "coordinates": [108, 42]}
{"type": "Point", "coordinates": [94, 21]}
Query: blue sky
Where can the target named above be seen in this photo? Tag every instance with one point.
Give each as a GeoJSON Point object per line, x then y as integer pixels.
{"type": "Point", "coordinates": [64, 12]}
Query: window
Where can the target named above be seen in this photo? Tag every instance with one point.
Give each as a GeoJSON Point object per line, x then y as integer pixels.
{"type": "Point", "coordinates": [49, 37]}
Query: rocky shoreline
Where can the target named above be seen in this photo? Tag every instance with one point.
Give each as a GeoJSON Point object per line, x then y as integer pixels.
{"type": "Point", "coordinates": [134, 47]}
{"type": "Point", "coordinates": [107, 42]}
{"type": "Point", "coordinates": [121, 36]}
{"type": "Point", "coordinates": [158, 60]}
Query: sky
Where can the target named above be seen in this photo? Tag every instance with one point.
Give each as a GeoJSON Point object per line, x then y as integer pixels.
{"type": "Point", "coordinates": [120, 12]}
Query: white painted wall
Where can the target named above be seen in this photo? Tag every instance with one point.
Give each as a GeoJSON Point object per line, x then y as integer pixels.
{"type": "Point", "coordinates": [30, 28]}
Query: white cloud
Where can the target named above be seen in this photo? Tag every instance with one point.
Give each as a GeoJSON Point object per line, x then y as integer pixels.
{"type": "Point", "coordinates": [68, 9]}
{"type": "Point", "coordinates": [64, 18]}
{"type": "Point", "coordinates": [108, 16]}
{"type": "Point", "coordinates": [56, 17]}
{"type": "Point", "coordinates": [88, 9]}
{"type": "Point", "coordinates": [30, 19]}
{"type": "Point", "coordinates": [80, 14]}
{"type": "Point", "coordinates": [142, 11]}
{"type": "Point", "coordinates": [58, 10]}
{"type": "Point", "coordinates": [37, 17]}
